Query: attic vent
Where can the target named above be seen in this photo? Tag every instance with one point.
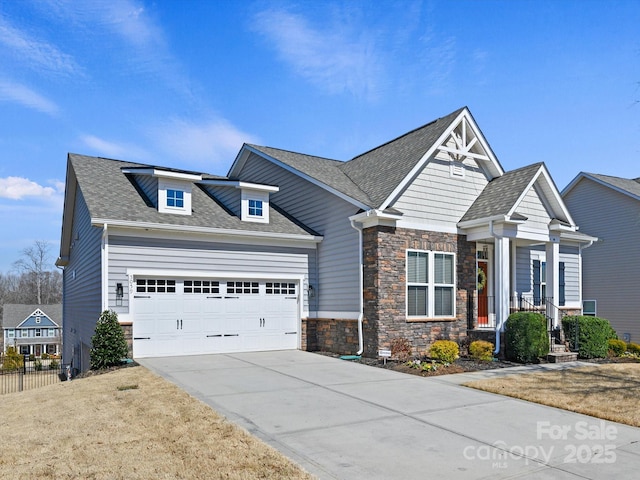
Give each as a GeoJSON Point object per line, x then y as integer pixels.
{"type": "Point", "coordinates": [456, 169]}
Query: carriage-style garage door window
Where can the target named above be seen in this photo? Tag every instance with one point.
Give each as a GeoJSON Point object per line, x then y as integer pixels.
{"type": "Point", "coordinates": [430, 284]}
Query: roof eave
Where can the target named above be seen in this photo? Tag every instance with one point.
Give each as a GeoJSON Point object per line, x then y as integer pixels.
{"type": "Point", "coordinates": [99, 222]}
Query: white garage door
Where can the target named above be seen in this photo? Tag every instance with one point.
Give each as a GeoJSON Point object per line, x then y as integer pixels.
{"type": "Point", "coordinates": [186, 316]}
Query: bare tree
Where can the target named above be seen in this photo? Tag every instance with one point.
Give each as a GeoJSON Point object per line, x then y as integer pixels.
{"type": "Point", "coordinates": [35, 266]}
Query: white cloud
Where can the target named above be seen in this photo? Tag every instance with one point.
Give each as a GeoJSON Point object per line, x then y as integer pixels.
{"type": "Point", "coordinates": [22, 95]}
{"type": "Point", "coordinates": [17, 188]}
{"type": "Point", "coordinates": [110, 149]}
{"type": "Point", "coordinates": [213, 143]}
{"type": "Point", "coordinates": [339, 59]}
{"type": "Point", "coordinates": [37, 54]}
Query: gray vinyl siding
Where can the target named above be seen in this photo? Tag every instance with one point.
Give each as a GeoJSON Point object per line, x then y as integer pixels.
{"type": "Point", "coordinates": [610, 270]}
{"type": "Point", "coordinates": [149, 185]}
{"type": "Point", "coordinates": [437, 197]}
{"type": "Point", "coordinates": [229, 197]}
{"type": "Point", "coordinates": [82, 299]}
{"type": "Point", "coordinates": [207, 257]}
{"type": "Point", "coordinates": [537, 216]}
{"type": "Point", "coordinates": [338, 253]}
{"type": "Point", "coordinates": [524, 271]}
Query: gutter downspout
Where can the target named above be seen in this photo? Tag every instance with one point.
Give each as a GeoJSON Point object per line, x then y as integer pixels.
{"type": "Point", "coordinates": [497, 349]}
{"type": "Point", "coordinates": [104, 274]}
{"type": "Point", "coordinates": [361, 286]}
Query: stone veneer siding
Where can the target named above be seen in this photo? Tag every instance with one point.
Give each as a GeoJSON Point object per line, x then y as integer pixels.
{"type": "Point", "coordinates": [330, 335]}
{"type": "Point", "coordinates": [127, 327]}
{"type": "Point", "coordinates": [385, 288]}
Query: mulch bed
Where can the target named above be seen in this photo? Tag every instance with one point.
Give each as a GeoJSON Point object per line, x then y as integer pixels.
{"type": "Point", "coordinates": [461, 365]}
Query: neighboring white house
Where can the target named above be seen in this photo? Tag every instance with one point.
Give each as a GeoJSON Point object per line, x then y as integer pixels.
{"type": "Point", "coordinates": [296, 251]}
{"type": "Point", "coordinates": [609, 207]}
{"type": "Point", "coordinates": [33, 329]}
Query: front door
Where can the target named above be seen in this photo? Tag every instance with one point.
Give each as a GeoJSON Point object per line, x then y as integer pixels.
{"type": "Point", "coordinates": [483, 299]}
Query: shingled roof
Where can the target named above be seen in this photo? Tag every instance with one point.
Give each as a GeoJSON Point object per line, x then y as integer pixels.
{"type": "Point", "coordinates": [371, 177]}
{"type": "Point", "coordinates": [110, 194]}
{"type": "Point", "coordinates": [379, 171]}
{"type": "Point", "coordinates": [631, 186]}
{"type": "Point", "coordinates": [13, 314]}
{"type": "Point", "coordinates": [500, 195]}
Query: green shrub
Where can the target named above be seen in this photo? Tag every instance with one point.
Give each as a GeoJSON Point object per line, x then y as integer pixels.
{"type": "Point", "coordinates": [38, 365]}
{"type": "Point", "coordinates": [12, 360]}
{"type": "Point", "coordinates": [109, 346]}
{"type": "Point", "coordinates": [593, 334]}
{"type": "Point", "coordinates": [481, 350]}
{"type": "Point", "coordinates": [526, 337]}
{"type": "Point", "coordinates": [617, 347]}
{"type": "Point", "coordinates": [445, 351]}
{"type": "Point", "coordinates": [633, 348]}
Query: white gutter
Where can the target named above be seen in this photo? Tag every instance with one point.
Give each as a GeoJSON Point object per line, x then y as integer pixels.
{"type": "Point", "coordinates": [205, 230]}
{"type": "Point", "coordinates": [361, 287]}
{"type": "Point", "coordinates": [103, 265]}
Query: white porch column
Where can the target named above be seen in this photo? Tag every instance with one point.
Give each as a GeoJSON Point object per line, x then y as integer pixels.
{"type": "Point", "coordinates": [502, 283]}
{"type": "Point", "coordinates": [553, 275]}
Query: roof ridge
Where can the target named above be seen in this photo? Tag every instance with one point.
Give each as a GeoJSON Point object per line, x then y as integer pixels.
{"type": "Point", "coordinates": [455, 112]}
{"type": "Point", "coordinates": [294, 152]}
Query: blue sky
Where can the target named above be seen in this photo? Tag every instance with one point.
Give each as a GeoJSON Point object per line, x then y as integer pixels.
{"type": "Point", "coordinates": [185, 83]}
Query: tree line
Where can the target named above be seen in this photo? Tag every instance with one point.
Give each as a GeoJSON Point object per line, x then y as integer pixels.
{"type": "Point", "coordinates": [34, 278]}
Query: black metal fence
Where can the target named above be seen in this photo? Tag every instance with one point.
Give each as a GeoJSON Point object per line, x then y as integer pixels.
{"type": "Point", "coordinates": [19, 373]}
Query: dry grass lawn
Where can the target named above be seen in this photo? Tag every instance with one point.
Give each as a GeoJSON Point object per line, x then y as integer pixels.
{"type": "Point", "coordinates": [609, 391]}
{"type": "Point", "coordinates": [127, 424]}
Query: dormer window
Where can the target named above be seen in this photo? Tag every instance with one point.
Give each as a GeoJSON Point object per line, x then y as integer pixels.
{"type": "Point", "coordinates": [254, 198]}
{"type": "Point", "coordinates": [175, 198]}
{"type": "Point", "coordinates": [255, 208]}
{"type": "Point", "coordinates": [173, 194]}
{"type": "Point", "coordinates": [254, 205]}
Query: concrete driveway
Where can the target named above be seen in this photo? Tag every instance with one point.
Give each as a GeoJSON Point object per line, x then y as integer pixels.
{"type": "Point", "coordinates": [345, 420]}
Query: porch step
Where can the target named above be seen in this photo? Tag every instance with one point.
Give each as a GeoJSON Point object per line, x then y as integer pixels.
{"type": "Point", "coordinates": [558, 348]}
{"type": "Point", "coordinates": [562, 357]}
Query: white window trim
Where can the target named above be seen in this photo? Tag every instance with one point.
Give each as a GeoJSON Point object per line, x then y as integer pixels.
{"type": "Point", "coordinates": [185, 187]}
{"type": "Point", "coordinates": [431, 285]}
{"type": "Point", "coordinates": [248, 194]}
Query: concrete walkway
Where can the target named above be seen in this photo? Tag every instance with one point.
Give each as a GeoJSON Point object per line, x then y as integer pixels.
{"type": "Point", "coordinates": [345, 420]}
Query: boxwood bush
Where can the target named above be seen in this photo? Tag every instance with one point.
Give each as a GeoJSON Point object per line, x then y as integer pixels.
{"type": "Point", "coordinates": [444, 350]}
{"type": "Point", "coordinates": [592, 335]}
{"type": "Point", "coordinates": [633, 348]}
{"type": "Point", "coordinates": [481, 350]}
{"type": "Point", "coordinates": [616, 347]}
{"type": "Point", "coordinates": [526, 337]}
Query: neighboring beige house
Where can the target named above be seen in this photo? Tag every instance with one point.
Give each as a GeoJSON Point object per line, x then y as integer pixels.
{"type": "Point", "coordinates": [33, 329]}
{"type": "Point", "coordinates": [609, 207]}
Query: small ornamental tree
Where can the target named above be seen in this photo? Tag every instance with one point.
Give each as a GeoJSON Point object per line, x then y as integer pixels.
{"type": "Point", "coordinates": [109, 346]}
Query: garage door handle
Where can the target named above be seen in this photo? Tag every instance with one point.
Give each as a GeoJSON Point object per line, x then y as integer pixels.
{"type": "Point", "coordinates": [290, 333]}
{"type": "Point", "coordinates": [231, 297]}
{"type": "Point", "coordinates": [214, 297]}
{"type": "Point", "coordinates": [141, 296]}
{"type": "Point", "coordinates": [231, 335]}
{"type": "Point", "coordinates": [291, 298]}
{"type": "Point", "coordinates": [142, 338]}
{"type": "Point", "coordinates": [219, 335]}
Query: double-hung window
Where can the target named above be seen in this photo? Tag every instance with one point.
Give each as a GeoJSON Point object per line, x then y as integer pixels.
{"type": "Point", "coordinates": [430, 284]}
